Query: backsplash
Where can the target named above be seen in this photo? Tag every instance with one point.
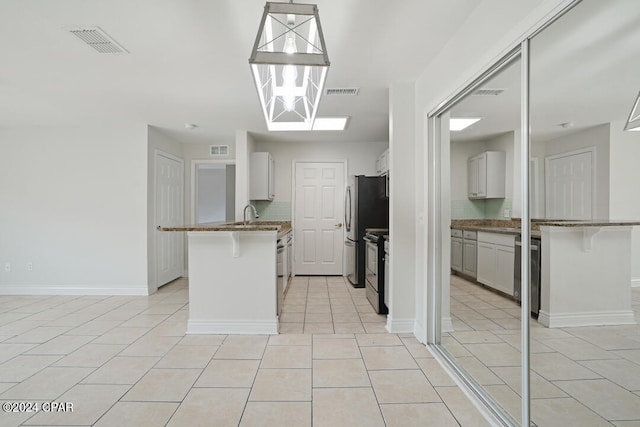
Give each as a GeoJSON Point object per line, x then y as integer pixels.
{"type": "Point", "coordinates": [480, 209]}
{"type": "Point", "coordinates": [467, 209]}
{"type": "Point", "coordinates": [273, 210]}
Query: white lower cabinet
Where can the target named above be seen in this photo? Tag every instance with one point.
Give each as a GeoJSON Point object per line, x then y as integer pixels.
{"type": "Point", "coordinates": [469, 253]}
{"type": "Point", "coordinates": [496, 257]}
{"type": "Point", "coordinates": [456, 250]}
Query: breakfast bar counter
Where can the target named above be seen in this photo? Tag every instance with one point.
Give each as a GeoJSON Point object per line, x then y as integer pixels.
{"type": "Point", "coordinates": [586, 273]}
{"type": "Point", "coordinates": [232, 277]}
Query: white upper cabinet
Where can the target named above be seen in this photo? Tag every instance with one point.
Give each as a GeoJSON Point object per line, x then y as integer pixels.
{"type": "Point", "coordinates": [382, 163]}
{"type": "Point", "coordinates": [486, 175]}
{"type": "Point", "coordinates": [262, 179]}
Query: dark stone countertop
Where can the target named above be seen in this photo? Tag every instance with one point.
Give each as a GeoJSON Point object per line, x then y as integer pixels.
{"type": "Point", "coordinates": [282, 227]}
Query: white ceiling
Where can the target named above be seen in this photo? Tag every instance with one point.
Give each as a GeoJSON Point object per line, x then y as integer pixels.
{"type": "Point", "coordinates": [188, 63]}
{"type": "Point", "coordinates": [585, 71]}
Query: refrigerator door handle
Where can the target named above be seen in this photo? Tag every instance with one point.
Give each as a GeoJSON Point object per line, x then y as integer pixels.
{"type": "Point", "coordinates": [347, 209]}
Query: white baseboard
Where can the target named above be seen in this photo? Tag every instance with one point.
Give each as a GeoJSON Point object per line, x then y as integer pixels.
{"type": "Point", "coordinates": [199, 327]}
{"type": "Point", "coordinates": [595, 318]}
{"type": "Point", "coordinates": [72, 290]}
{"type": "Point", "coordinates": [399, 326]}
{"type": "Point", "coordinates": [446, 324]}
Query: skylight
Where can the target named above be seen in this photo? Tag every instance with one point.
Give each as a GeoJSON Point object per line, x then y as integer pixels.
{"type": "Point", "coordinates": [458, 124]}
{"type": "Point", "coordinates": [320, 123]}
{"type": "Point", "coordinates": [330, 123]}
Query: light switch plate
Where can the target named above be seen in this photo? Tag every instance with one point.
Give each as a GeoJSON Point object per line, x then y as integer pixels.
{"type": "Point", "coordinates": [506, 213]}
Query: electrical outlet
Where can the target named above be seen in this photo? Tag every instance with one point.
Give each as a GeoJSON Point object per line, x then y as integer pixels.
{"type": "Point", "coordinates": [29, 266]}
{"type": "Point", "coordinates": [7, 267]}
{"type": "Point", "coordinates": [506, 213]}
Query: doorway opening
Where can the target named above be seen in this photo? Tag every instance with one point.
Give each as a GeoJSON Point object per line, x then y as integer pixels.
{"type": "Point", "coordinates": [213, 193]}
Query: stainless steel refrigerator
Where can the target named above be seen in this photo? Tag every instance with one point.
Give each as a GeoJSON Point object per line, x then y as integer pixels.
{"type": "Point", "coordinates": [366, 206]}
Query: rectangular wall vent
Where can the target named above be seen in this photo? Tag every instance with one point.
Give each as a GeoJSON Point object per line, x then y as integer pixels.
{"type": "Point", "coordinates": [219, 150]}
{"type": "Point", "coordinates": [488, 92]}
{"type": "Point", "coordinates": [344, 91]}
{"type": "Point", "coordinates": [98, 39]}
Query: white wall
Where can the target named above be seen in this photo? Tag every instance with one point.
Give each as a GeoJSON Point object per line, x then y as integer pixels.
{"type": "Point", "coordinates": [361, 159]}
{"type": "Point", "coordinates": [402, 216]}
{"type": "Point", "coordinates": [74, 205]}
{"type": "Point", "coordinates": [597, 137]}
{"type": "Point", "coordinates": [245, 145]}
{"type": "Point", "coordinates": [157, 141]}
{"type": "Point", "coordinates": [624, 175]}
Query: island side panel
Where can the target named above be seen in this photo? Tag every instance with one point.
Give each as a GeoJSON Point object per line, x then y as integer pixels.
{"type": "Point", "coordinates": [586, 276]}
{"type": "Point", "coordinates": [232, 293]}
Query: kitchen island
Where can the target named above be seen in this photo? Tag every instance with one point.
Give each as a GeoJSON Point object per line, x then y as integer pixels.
{"type": "Point", "coordinates": [585, 269]}
{"type": "Point", "coordinates": [586, 273]}
{"type": "Point", "coordinates": [232, 277]}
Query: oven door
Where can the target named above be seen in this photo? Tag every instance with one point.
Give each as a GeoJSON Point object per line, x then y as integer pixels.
{"type": "Point", "coordinates": [351, 250]}
{"type": "Point", "coordinates": [280, 276]}
{"type": "Point", "coordinates": [371, 264]}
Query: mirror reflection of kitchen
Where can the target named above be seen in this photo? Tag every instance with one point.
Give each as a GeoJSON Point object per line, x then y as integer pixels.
{"type": "Point", "coordinates": [585, 248]}
{"type": "Point", "coordinates": [482, 330]}
{"type": "Point", "coordinates": [585, 78]}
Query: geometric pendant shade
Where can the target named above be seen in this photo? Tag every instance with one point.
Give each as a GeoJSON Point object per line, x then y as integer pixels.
{"type": "Point", "coordinates": [633, 122]}
{"type": "Point", "coordinates": [289, 63]}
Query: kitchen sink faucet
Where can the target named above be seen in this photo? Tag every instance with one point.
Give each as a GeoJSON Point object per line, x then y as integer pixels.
{"type": "Point", "coordinates": [255, 213]}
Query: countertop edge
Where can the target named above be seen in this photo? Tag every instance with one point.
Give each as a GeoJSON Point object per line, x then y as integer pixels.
{"type": "Point", "coordinates": [280, 227]}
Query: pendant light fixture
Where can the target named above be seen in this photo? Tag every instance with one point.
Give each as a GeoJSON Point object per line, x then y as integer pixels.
{"type": "Point", "coordinates": [633, 122]}
{"type": "Point", "coordinates": [289, 63]}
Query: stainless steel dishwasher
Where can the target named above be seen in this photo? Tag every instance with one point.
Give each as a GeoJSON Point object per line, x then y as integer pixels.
{"type": "Point", "coordinates": [280, 274]}
{"type": "Point", "coordinates": [534, 279]}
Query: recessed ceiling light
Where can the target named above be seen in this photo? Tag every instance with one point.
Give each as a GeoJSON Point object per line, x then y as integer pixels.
{"type": "Point", "coordinates": [320, 123]}
{"type": "Point", "coordinates": [458, 124]}
{"type": "Point", "coordinates": [190, 126]}
{"type": "Point", "coordinates": [330, 123]}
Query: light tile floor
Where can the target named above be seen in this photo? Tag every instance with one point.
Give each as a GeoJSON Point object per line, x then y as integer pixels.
{"type": "Point", "coordinates": [126, 361]}
{"type": "Point", "coordinates": [587, 376]}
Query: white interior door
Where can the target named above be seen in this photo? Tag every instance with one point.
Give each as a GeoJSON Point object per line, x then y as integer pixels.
{"type": "Point", "coordinates": [569, 186]}
{"type": "Point", "coordinates": [169, 211]}
{"type": "Point", "coordinates": [318, 217]}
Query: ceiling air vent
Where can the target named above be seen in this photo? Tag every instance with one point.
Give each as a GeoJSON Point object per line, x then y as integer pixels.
{"type": "Point", "coordinates": [344, 91]}
{"type": "Point", "coordinates": [98, 39]}
{"type": "Point", "coordinates": [219, 150]}
{"type": "Point", "coordinates": [488, 92]}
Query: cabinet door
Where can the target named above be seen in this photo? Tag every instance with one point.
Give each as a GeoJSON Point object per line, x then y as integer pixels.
{"type": "Point", "coordinates": [261, 179]}
{"type": "Point", "coordinates": [505, 259]}
{"type": "Point", "coordinates": [472, 177]}
{"type": "Point", "coordinates": [481, 188]}
{"type": "Point", "coordinates": [456, 254]}
{"type": "Point", "coordinates": [469, 257]}
{"type": "Point", "coordinates": [486, 263]}
{"type": "Point", "coordinates": [272, 178]}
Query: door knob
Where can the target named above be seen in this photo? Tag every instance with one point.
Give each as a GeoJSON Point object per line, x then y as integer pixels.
{"type": "Point", "coordinates": [339, 225]}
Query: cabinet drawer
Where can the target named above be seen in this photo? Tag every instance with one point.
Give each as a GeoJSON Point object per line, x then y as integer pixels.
{"type": "Point", "coordinates": [471, 235]}
{"type": "Point", "coordinates": [497, 238]}
{"type": "Point", "coordinates": [456, 233]}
